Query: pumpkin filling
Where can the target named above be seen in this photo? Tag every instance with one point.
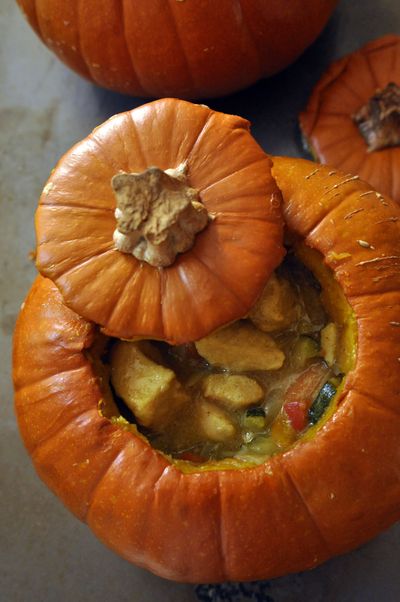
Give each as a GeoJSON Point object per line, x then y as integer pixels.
{"type": "Point", "coordinates": [246, 391]}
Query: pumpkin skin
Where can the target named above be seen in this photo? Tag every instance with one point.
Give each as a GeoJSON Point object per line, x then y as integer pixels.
{"type": "Point", "coordinates": [183, 48]}
{"type": "Point", "coordinates": [327, 123]}
{"type": "Point", "coordinates": [289, 514]}
{"type": "Point", "coordinates": [75, 224]}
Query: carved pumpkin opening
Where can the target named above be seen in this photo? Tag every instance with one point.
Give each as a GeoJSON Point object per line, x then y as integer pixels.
{"type": "Point", "coordinates": [247, 391]}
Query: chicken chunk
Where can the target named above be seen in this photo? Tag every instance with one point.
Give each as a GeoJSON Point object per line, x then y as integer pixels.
{"type": "Point", "coordinates": [277, 308]}
{"type": "Point", "coordinates": [240, 347]}
{"type": "Point", "coordinates": [213, 423]}
{"type": "Point", "coordinates": [232, 391]}
{"type": "Point", "coordinates": [150, 390]}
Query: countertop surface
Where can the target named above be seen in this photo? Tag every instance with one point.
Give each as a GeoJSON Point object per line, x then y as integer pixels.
{"type": "Point", "coordinates": [46, 554]}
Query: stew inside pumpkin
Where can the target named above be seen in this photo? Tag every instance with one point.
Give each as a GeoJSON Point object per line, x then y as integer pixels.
{"type": "Point", "coordinates": [245, 392]}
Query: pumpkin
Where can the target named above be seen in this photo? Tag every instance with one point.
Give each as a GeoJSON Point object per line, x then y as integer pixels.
{"type": "Point", "coordinates": [352, 120]}
{"type": "Point", "coordinates": [184, 48]}
{"type": "Point", "coordinates": [330, 491]}
{"type": "Point", "coordinates": [232, 176]}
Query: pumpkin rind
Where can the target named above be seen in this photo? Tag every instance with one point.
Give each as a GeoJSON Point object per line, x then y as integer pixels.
{"type": "Point", "coordinates": [190, 49]}
{"type": "Point", "coordinates": [230, 260]}
{"type": "Point", "coordinates": [327, 122]}
{"type": "Point", "coordinates": [289, 514]}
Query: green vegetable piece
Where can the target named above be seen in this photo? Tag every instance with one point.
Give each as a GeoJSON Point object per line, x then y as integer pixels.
{"type": "Point", "coordinates": [256, 412]}
{"type": "Point", "coordinates": [321, 402]}
{"type": "Point", "coordinates": [254, 419]}
{"type": "Point", "coordinates": [304, 349]}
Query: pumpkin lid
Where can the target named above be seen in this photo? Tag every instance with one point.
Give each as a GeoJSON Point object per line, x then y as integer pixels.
{"type": "Point", "coordinates": [133, 269]}
{"type": "Point", "coordinates": [352, 120]}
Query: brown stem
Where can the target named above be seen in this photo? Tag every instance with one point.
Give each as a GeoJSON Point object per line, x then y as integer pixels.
{"type": "Point", "coordinates": [158, 214]}
{"type": "Point", "coordinates": [379, 120]}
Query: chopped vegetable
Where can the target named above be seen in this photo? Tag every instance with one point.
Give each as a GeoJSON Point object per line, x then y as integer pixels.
{"type": "Point", "coordinates": [301, 393]}
{"type": "Point", "coordinates": [304, 349]}
{"type": "Point", "coordinates": [296, 413]}
{"type": "Point", "coordinates": [329, 342]}
{"type": "Point", "coordinates": [254, 419]}
{"type": "Point", "coordinates": [282, 432]}
{"type": "Point", "coordinates": [321, 402]}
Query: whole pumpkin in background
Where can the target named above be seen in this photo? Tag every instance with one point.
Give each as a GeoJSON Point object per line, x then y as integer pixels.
{"type": "Point", "coordinates": [335, 487]}
{"type": "Point", "coordinates": [184, 48]}
{"type": "Point", "coordinates": [352, 119]}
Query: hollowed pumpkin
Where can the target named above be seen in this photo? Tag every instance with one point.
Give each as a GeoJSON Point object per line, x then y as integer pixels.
{"type": "Point", "coordinates": [184, 48]}
{"type": "Point", "coordinates": [179, 519]}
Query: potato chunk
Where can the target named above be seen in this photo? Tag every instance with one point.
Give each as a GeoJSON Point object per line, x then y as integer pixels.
{"type": "Point", "coordinates": [240, 347]}
{"type": "Point", "coordinates": [277, 308]}
{"type": "Point", "coordinates": [213, 423]}
{"type": "Point", "coordinates": [150, 390]}
{"type": "Point", "coordinates": [329, 342]}
{"type": "Point", "coordinates": [232, 391]}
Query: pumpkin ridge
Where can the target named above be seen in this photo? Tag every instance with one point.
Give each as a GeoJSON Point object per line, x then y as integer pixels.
{"type": "Point", "coordinates": [232, 292]}
{"type": "Point", "coordinates": [196, 315]}
{"type": "Point", "coordinates": [138, 140]}
{"type": "Point", "coordinates": [91, 71]}
{"type": "Point", "coordinates": [94, 238]}
{"type": "Point", "coordinates": [115, 307]}
{"type": "Point", "coordinates": [131, 124]}
{"type": "Point", "coordinates": [130, 55]}
{"type": "Point", "coordinates": [36, 449]}
{"type": "Point", "coordinates": [250, 35]}
{"type": "Point", "coordinates": [181, 45]}
{"type": "Point", "coordinates": [99, 155]}
{"type": "Point", "coordinates": [68, 265]}
{"type": "Point", "coordinates": [322, 87]}
{"type": "Point", "coordinates": [79, 59]}
{"type": "Point", "coordinates": [60, 419]}
{"type": "Point", "coordinates": [358, 164]}
{"type": "Point", "coordinates": [338, 142]}
{"type": "Point", "coordinates": [371, 399]}
{"type": "Point", "coordinates": [221, 538]}
{"type": "Point", "coordinates": [365, 56]}
{"type": "Point", "coordinates": [62, 274]}
{"type": "Point", "coordinates": [283, 463]}
{"type": "Point", "coordinates": [198, 138]}
{"type": "Point", "coordinates": [103, 474]}
{"type": "Point", "coordinates": [49, 377]}
{"type": "Point", "coordinates": [350, 88]}
{"type": "Point", "coordinates": [36, 19]}
{"type": "Point", "coordinates": [72, 205]}
{"type": "Point", "coordinates": [233, 173]}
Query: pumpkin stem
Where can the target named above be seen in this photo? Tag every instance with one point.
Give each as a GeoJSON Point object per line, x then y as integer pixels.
{"type": "Point", "coordinates": [158, 215]}
{"type": "Point", "coordinates": [379, 120]}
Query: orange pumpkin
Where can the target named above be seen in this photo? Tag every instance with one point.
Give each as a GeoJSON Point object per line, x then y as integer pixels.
{"type": "Point", "coordinates": [338, 112]}
{"type": "Point", "coordinates": [330, 491]}
{"type": "Point", "coordinates": [184, 48]}
{"type": "Point", "coordinates": [75, 224]}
